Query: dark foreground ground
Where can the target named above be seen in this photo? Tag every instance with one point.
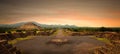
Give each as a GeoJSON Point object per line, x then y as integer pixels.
{"type": "Point", "coordinates": [77, 45]}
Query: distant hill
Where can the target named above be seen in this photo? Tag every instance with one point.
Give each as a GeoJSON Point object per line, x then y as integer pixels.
{"type": "Point", "coordinates": [34, 24]}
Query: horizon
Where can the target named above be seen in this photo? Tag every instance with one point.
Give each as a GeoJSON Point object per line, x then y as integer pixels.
{"type": "Point", "coordinates": [56, 24]}
{"type": "Point", "coordinates": [82, 13]}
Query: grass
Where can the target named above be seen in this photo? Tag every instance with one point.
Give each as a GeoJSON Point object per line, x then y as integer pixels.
{"type": "Point", "coordinates": [19, 39]}
{"type": "Point", "coordinates": [102, 39]}
{"type": "Point", "coordinates": [54, 33]}
{"type": "Point", "coordinates": [65, 33]}
{"type": "Point", "coordinates": [37, 32]}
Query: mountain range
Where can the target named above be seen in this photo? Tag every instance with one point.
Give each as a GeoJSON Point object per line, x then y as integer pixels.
{"type": "Point", "coordinates": [16, 25]}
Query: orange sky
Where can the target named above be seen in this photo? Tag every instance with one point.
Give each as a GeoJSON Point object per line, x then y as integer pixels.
{"type": "Point", "coordinates": [71, 18]}
{"type": "Point", "coordinates": [74, 12]}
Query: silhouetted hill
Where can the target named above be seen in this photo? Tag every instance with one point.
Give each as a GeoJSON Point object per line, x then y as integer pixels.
{"type": "Point", "coordinates": [37, 24]}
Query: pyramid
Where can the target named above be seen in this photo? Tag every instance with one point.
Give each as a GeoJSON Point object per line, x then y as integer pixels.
{"type": "Point", "coordinates": [28, 26]}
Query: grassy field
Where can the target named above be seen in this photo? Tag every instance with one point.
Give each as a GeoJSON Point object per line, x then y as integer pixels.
{"type": "Point", "coordinates": [19, 39]}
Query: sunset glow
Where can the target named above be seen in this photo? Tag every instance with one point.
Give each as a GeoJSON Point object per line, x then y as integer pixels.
{"type": "Point", "coordinates": [74, 12]}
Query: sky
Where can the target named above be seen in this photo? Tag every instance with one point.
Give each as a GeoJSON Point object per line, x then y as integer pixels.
{"type": "Point", "coordinates": [90, 13]}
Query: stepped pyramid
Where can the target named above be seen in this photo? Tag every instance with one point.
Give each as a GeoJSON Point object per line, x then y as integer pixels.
{"type": "Point", "coordinates": [28, 26]}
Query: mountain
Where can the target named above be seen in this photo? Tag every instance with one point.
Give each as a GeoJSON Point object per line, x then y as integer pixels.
{"type": "Point", "coordinates": [34, 25]}
{"type": "Point", "coordinates": [11, 25]}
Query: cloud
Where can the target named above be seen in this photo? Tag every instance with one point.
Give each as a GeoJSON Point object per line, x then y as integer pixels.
{"type": "Point", "coordinates": [77, 12]}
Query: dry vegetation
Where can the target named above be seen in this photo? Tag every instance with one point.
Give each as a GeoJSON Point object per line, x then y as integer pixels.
{"type": "Point", "coordinates": [109, 36]}
{"type": "Point", "coordinates": [19, 39]}
{"type": "Point", "coordinates": [113, 47]}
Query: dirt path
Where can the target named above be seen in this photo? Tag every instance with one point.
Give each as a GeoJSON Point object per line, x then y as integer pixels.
{"type": "Point", "coordinates": [78, 45]}
{"type": "Point", "coordinates": [60, 34]}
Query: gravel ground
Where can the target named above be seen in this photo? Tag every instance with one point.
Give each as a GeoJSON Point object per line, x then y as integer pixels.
{"type": "Point", "coordinates": [77, 45]}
